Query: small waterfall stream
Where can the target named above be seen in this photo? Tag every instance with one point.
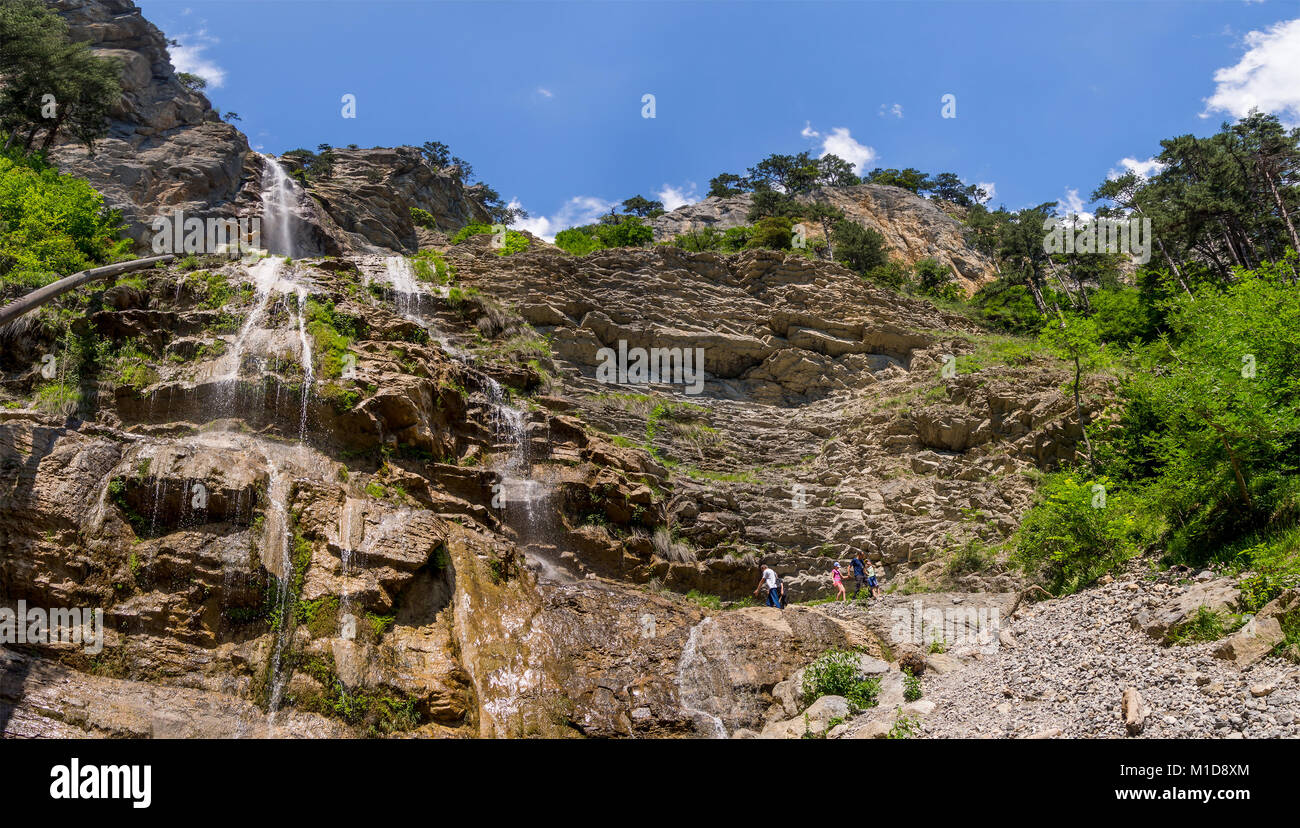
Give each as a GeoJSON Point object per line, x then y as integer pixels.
{"type": "Point", "coordinates": [308, 373]}
{"type": "Point", "coordinates": [692, 684]}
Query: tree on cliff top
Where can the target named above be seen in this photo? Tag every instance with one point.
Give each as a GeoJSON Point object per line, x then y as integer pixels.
{"type": "Point", "coordinates": [48, 83]}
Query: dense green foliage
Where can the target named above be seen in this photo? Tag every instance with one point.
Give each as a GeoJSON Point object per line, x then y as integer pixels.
{"type": "Point", "coordinates": [423, 218]}
{"type": "Point", "coordinates": [52, 224]}
{"type": "Point", "coordinates": [1202, 459]}
{"type": "Point", "coordinates": [1200, 455]}
{"type": "Point", "coordinates": [506, 242]}
{"type": "Point", "coordinates": [838, 673]}
{"type": "Point", "coordinates": [627, 232]}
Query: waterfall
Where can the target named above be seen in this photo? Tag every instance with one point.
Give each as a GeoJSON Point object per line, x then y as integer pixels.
{"type": "Point", "coordinates": [266, 275]}
{"type": "Point", "coordinates": [283, 229]}
{"type": "Point", "coordinates": [402, 278]}
{"type": "Point", "coordinates": [276, 557]}
{"type": "Point", "coordinates": [305, 355]}
{"type": "Point", "coordinates": [689, 691]}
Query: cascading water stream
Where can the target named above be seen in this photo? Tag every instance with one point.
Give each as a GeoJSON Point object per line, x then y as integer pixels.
{"type": "Point", "coordinates": [281, 226]}
{"type": "Point", "coordinates": [305, 353]}
{"type": "Point", "coordinates": [518, 487]}
{"type": "Point", "coordinates": [276, 558]}
{"type": "Point", "coordinates": [692, 670]}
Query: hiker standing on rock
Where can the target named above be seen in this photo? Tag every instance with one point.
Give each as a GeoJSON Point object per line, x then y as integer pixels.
{"type": "Point", "coordinates": [859, 575]}
{"type": "Point", "coordinates": [873, 576]}
{"type": "Point", "coordinates": [838, 580]}
{"type": "Point", "coordinates": [768, 581]}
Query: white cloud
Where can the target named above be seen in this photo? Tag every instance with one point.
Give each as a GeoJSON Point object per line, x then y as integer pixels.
{"type": "Point", "coordinates": [1073, 204]}
{"type": "Point", "coordinates": [575, 212]}
{"type": "Point", "coordinates": [1266, 78]}
{"type": "Point", "coordinates": [891, 110]}
{"type": "Point", "coordinates": [674, 197]}
{"type": "Point", "coordinates": [988, 187]}
{"type": "Point", "coordinates": [841, 143]}
{"type": "Point", "coordinates": [188, 57]}
{"type": "Point", "coordinates": [544, 92]}
{"type": "Point", "coordinates": [1144, 169]}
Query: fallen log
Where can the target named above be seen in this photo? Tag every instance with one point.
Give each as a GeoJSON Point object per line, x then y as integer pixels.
{"type": "Point", "coordinates": [40, 296]}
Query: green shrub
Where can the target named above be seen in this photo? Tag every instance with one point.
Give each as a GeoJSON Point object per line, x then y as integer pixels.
{"type": "Point", "coordinates": [472, 229]}
{"type": "Point", "coordinates": [423, 218]}
{"type": "Point", "coordinates": [514, 241]}
{"type": "Point", "coordinates": [1205, 625]}
{"type": "Point", "coordinates": [51, 225]}
{"type": "Point", "coordinates": [936, 279]}
{"type": "Point", "coordinates": [859, 248]}
{"type": "Point", "coordinates": [577, 240]}
{"type": "Point", "coordinates": [1069, 540]}
{"type": "Point", "coordinates": [432, 266]}
{"type": "Point", "coordinates": [911, 687]}
{"type": "Point", "coordinates": [838, 673]}
{"type": "Point", "coordinates": [905, 727]}
{"type": "Point", "coordinates": [332, 334]}
{"type": "Point", "coordinates": [629, 232]}
{"type": "Point", "coordinates": [772, 233]}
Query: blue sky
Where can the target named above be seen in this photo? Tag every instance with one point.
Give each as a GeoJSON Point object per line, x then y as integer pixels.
{"type": "Point", "coordinates": [545, 99]}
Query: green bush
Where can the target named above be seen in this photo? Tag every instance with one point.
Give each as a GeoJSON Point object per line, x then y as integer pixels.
{"type": "Point", "coordinates": [471, 229]}
{"type": "Point", "coordinates": [629, 232]}
{"type": "Point", "coordinates": [514, 241]}
{"type": "Point", "coordinates": [577, 240]}
{"type": "Point", "coordinates": [1205, 625]}
{"type": "Point", "coordinates": [51, 225]}
{"type": "Point", "coordinates": [772, 233]}
{"type": "Point", "coordinates": [911, 687]}
{"type": "Point", "coordinates": [1070, 541]}
{"type": "Point", "coordinates": [859, 248]}
{"type": "Point", "coordinates": [936, 279]}
{"type": "Point", "coordinates": [423, 218]}
{"type": "Point", "coordinates": [838, 673]}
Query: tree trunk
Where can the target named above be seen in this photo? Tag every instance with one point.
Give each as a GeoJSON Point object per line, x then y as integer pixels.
{"type": "Point", "coordinates": [1078, 409]}
{"type": "Point", "coordinates": [1286, 216]}
{"type": "Point", "coordinates": [40, 296]}
{"type": "Point", "coordinates": [54, 130]}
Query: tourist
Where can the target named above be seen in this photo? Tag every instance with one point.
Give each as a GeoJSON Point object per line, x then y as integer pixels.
{"type": "Point", "coordinates": [838, 580]}
{"type": "Point", "coordinates": [768, 581]}
{"type": "Point", "coordinates": [859, 575]}
{"type": "Point", "coordinates": [873, 578]}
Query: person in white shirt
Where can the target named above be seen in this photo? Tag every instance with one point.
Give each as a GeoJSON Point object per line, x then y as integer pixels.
{"type": "Point", "coordinates": [768, 581]}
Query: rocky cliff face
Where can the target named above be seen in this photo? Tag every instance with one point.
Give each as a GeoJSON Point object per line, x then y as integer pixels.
{"type": "Point", "coordinates": [448, 525]}
{"type": "Point", "coordinates": [915, 228]}
{"type": "Point", "coordinates": [167, 149]}
{"type": "Point", "coordinates": [369, 197]}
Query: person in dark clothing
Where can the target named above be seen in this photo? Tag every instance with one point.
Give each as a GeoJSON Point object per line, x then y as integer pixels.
{"type": "Point", "coordinates": [859, 574]}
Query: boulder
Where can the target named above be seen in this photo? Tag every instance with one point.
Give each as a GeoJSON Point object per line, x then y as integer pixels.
{"type": "Point", "coordinates": [1163, 618]}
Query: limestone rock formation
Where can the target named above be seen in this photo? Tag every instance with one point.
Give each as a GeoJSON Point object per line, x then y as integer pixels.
{"type": "Point", "coordinates": [914, 228]}
{"type": "Point", "coordinates": [166, 148]}
{"type": "Point", "coordinates": [369, 196]}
